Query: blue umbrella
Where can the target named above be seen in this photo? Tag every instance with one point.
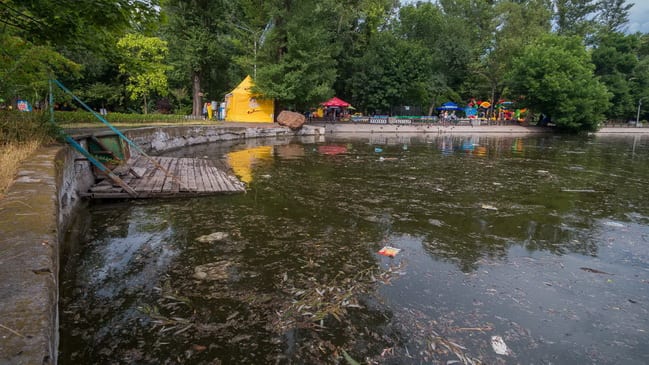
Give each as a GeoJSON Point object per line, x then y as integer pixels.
{"type": "Point", "coordinates": [449, 105]}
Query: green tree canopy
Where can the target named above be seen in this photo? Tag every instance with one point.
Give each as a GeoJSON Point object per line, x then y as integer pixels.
{"type": "Point", "coordinates": [616, 60]}
{"type": "Point", "coordinates": [299, 55]}
{"type": "Point", "coordinates": [201, 40]}
{"type": "Point", "coordinates": [143, 63]}
{"type": "Point", "coordinates": [556, 76]}
{"type": "Point", "coordinates": [26, 67]}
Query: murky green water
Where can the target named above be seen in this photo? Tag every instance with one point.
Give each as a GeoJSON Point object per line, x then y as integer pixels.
{"type": "Point", "coordinates": [541, 242]}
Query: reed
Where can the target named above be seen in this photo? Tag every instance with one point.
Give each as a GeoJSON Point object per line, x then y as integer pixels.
{"type": "Point", "coordinates": [20, 135]}
{"type": "Point", "coordinates": [11, 156]}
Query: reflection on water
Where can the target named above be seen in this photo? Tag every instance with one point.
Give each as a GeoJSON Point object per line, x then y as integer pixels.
{"type": "Point", "coordinates": [243, 161]}
{"type": "Point", "coordinates": [541, 241]}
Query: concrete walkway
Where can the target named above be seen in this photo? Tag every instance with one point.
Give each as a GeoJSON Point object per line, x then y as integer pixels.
{"type": "Point", "coordinates": [29, 264]}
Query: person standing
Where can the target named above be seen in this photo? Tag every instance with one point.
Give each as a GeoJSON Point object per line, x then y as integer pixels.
{"type": "Point", "coordinates": [210, 111]}
{"type": "Point", "coordinates": [215, 108]}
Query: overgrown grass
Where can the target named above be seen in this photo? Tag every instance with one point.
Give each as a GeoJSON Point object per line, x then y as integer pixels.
{"type": "Point", "coordinates": [11, 156]}
{"type": "Point", "coordinates": [20, 135]}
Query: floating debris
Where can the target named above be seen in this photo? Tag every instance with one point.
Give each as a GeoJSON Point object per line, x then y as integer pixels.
{"type": "Point", "coordinates": [388, 158]}
{"type": "Point", "coordinates": [349, 359]}
{"type": "Point", "coordinates": [378, 149]}
{"type": "Point", "coordinates": [212, 271]}
{"type": "Point", "coordinates": [389, 251]}
{"type": "Point", "coordinates": [213, 237]}
{"type": "Point", "coordinates": [614, 224]}
{"type": "Point", "coordinates": [594, 271]}
{"type": "Point", "coordinates": [488, 207]}
{"type": "Point", "coordinates": [578, 190]}
{"type": "Point", "coordinates": [499, 346]}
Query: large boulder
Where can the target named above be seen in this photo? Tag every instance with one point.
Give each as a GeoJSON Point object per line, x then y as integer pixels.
{"type": "Point", "coordinates": [292, 120]}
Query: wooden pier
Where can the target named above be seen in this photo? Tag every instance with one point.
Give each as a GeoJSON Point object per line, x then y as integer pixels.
{"type": "Point", "coordinates": [164, 177]}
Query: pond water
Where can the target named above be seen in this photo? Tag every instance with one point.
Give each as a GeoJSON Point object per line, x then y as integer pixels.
{"type": "Point", "coordinates": [512, 250]}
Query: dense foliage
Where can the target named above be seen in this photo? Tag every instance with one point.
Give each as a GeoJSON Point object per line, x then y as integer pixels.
{"type": "Point", "coordinates": [171, 56]}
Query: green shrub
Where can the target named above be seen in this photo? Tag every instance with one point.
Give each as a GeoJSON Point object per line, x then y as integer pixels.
{"type": "Point", "coordinates": [76, 117]}
{"type": "Point", "coordinates": [16, 126]}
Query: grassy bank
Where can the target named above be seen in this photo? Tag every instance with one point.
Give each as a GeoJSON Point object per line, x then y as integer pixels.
{"type": "Point", "coordinates": [20, 135]}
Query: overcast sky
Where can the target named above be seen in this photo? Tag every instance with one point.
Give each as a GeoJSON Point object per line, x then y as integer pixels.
{"type": "Point", "coordinates": [638, 16]}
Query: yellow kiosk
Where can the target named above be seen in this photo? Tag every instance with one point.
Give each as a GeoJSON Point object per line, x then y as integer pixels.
{"type": "Point", "coordinates": [241, 105]}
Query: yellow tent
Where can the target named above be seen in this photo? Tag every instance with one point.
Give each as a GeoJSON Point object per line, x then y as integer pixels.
{"type": "Point", "coordinates": [242, 106]}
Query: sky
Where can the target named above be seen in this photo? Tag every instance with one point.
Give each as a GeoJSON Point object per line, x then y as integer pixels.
{"type": "Point", "coordinates": [639, 17]}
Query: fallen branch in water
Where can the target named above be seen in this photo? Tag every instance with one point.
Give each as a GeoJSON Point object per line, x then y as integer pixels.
{"type": "Point", "coordinates": [12, 331]}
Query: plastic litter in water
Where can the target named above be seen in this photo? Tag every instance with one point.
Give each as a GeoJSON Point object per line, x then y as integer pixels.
{"type": "Point", "coordinates": [488, 207]}
{"type": "Point", "coordinates": [499, 346]}
{"type": "Point", "coordinates": [389, 251]}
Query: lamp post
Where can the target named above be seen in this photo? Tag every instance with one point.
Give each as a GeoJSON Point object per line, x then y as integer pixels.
{"type": "Point", "coordinates": [256, 37]}
{"type": "Point", "coordinates": [637, 118]}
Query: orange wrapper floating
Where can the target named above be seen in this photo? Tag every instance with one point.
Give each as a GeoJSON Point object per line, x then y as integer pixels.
{"type": "Point", "coordinates": [389, 251]}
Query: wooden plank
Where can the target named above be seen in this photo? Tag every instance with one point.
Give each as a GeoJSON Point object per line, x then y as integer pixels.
{"type": "Point", "coordinates": [201, 178]}
{"type": "Point", "coordinates": [200, 182]}
{"type": "Point", "coordinates": [209, 170]}
{"type": "Point", "coordinates": [189, 174]}
{"type": "Point", "coordinates": [175, 184]}
{"type": "Point", "coordinates": [167, 186]}
{"type": "Point", "coordinates": [137, 171]}
{"type": "Point", "coordinates": [223, 182]}
{"type": "Point", "coordinates": [206, 177]}
{"type": "Point", "coordinates": [151, 179]}
{"type": "Point", "coordinates": [183, 176]}
{"type": "Point", "coordinates": [216, 174]}
{"type": "Point", "coordinates": [142, 163]}
{"type": "Point", "coordinates": [225, 179]}
{"type": "Point", "coordinates": [162, 177]}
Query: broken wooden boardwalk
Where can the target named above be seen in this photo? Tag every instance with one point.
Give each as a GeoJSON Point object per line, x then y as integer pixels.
{"type": "Point", "coordinates": [183, 177]}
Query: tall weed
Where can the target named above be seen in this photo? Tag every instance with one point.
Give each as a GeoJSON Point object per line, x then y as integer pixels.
{"type": "Point", "coordinates": [20, 135]}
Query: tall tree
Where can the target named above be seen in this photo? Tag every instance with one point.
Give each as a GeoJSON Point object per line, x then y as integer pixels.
{"type": "Point", "coordinates": [360, 21]}
{"type": "Point", "coordinates": [26, 67]}
{"type": "Point", "coordinates": [73, 22]}
{"type": "Point", "coordinates": [143, 63]}
{"type": "Point", "coordinates": [517, 24]}
{"type": "Point", "coordinates": [299, 55]}
{"type": "Point", "coordinates": [200, 44]}
{"type": "Point", "coordinates": [62, 33]}
{"type": "Point", "coordinates": [616, 63]}
{"type": "Point", "coordinates": [613, 15]}
{"type": "Point", "coordinates": [393, 72]}
{"type": "Point", "coordinates": [556, 77]}
{"type": "Point", "coordinates": [575, 17]}
{"type": "Point", "coordinates": [426, 25]}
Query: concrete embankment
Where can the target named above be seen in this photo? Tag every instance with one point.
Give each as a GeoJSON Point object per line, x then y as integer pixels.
{"type": "Point", "coordinates": [342, 128]}
{"type": "Point", "coordinates": [34, 217]}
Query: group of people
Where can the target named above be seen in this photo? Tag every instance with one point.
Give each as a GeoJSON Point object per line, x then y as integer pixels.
{"type": "Point", "coordinates": [209, 109]}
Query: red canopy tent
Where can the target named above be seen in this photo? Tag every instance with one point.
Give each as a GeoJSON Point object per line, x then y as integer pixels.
{"type": "Point", "coordinates": [335, 102]}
